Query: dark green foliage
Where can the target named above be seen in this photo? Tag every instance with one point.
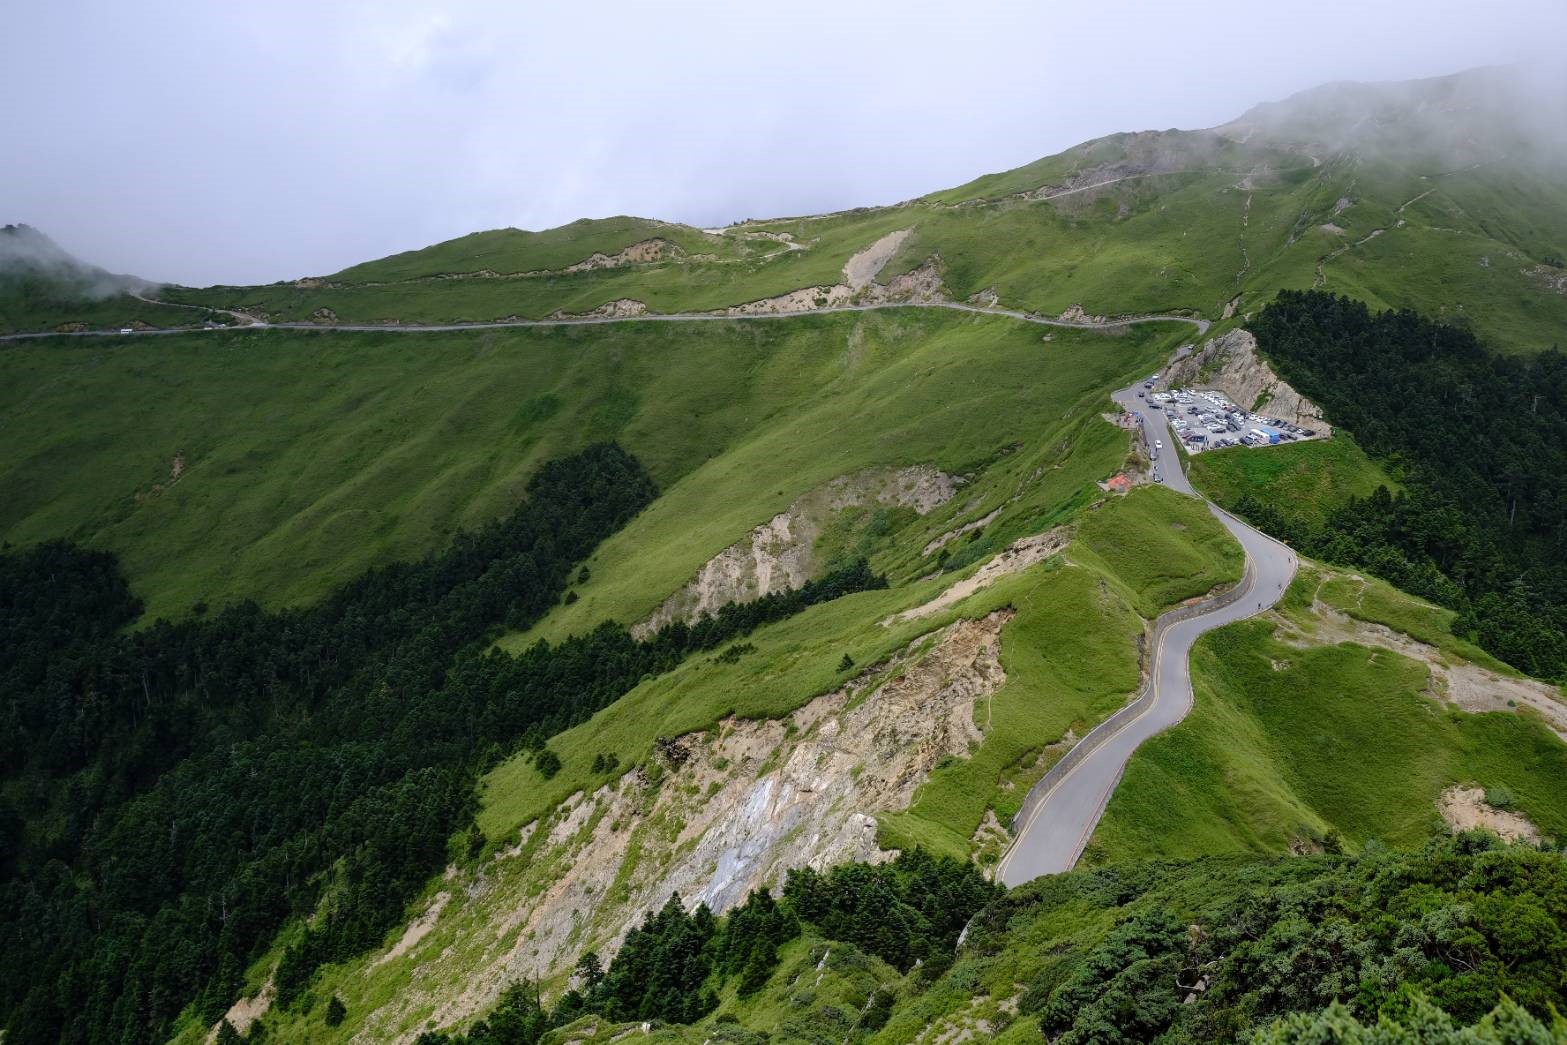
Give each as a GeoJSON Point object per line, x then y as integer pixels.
{"type": "Point", "coordinates": [336, 1012]}
{"type": "Point", "coordinates": [1507, 1024]}
{"type": "Point", "coordinates": [748, 946]}
{"type": "Point", "coordinates": [519, 1018]}
{"type": "Point", "coordinates": [902, 912]}
{"type": "Point", "coordinates": [546, 762]}
{"type": "Point", "coordinates": [878, 1010]}
{"type": "Point", "coordinates": [846, 664]}
{"type": "Point", "coordinates": [227, 1035]}
{"type": "Point", "coordinates": [662, 968]}
{"type": "Point", "coordinates": [732, 654]}
{"type": "Point", "coordinates": [1463, 922]}
{"type": "Point", "coordinates": [606, 762]}
{"type": "Point", "coordinates": [1479, 442]}
{"type": "Point", "coordinates": [222, 775]}
{"type": "Point", "coordinates": [671, 967]}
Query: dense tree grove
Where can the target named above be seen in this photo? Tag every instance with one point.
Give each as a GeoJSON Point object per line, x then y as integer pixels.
{"type": "Point", "coordinates": [671, 967]}
{"type": "Point", "coordinates": [1214, 950]}
{"type": "Point", "coordinates": [1477, 440]}
{"type": "Point", "coordinates": [177, 793]}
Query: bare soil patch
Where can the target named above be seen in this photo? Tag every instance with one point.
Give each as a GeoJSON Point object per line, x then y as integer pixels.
{"type": "Point", "coordinates": [1465, 809]}
{"type": "Point", "coordinates": [1022, 554]}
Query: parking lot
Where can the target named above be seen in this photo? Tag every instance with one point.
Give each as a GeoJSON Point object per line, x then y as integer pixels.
{"type": "Point", "coordinates": [1203, 419]}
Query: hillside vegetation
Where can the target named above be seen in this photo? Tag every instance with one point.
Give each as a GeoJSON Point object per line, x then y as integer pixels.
{"type": "Point", "coordinates": [275, 465]}
{"type": "Point", "coordinates": [536, 682]}
{"type": "Point", "coordinates": [1477, 441]}
{"type": "Point", "coordinates": [1456, 940]}
{"type": "Point", "coordinates": [1310, 733]}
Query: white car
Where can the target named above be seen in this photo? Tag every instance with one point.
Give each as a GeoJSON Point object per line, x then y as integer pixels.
{"type": "Point", "coordinates": [1158, 444]}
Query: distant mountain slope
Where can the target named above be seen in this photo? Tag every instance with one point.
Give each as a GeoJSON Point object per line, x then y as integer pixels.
{"type": "Point", "coordinates": [513, 251]}
{"type": "Point", "coordinates": [42, 287]}
{"type": "Point", "coordinates": [1446, 195]}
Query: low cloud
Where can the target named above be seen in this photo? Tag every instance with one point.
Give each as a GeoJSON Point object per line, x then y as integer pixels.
{"type": "Point", "coordinates": [204, 143]}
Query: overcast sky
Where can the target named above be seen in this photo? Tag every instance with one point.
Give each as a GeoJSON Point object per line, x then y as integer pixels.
{"type": "Point", "coordinates": [204, 142]}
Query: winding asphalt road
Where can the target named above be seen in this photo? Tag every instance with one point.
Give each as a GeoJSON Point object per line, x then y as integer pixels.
{"type": "Point", "coordinates": [1062, 817]}
{"type": "Point", "coordinates": [670, 317]}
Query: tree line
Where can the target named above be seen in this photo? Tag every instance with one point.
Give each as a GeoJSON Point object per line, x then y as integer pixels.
{"type": "Point", "coordinates": [174, 795]}
{"type": "Point", "coordinates": [1477, 440]}
{"type": "Point", "coordinates": [1223, 949]}
{"type": "Point", "coordinates": [672, 967]}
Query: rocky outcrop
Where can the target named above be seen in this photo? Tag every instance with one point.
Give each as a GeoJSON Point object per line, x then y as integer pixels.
{"type": "Point", "coordinates": [718, 815]}
{"type": "Point", "coordinates": [922, 284]}
{"type": "Point", "coordinates": [861, 270]}
{"type": "Point", "coordinates": [1018, 556]}
{"type": "Point", "coordinates": [779, 555]}
{"type": "Point", "coordinates": [1230, 364]}
{"type": "Point", "coordinates": [1466, 809]}
{"type": "Point", "coordinates": [806, 299]}
{"type": "Point", "coordinates": [641, 253]}
{"type": "Point", "coordinates": [620, 308]}
{"type": "Point", "coordinates": [1548, 277]}
{"type": "Point", "coordinates": [1077, 314]}
{"type": "Point", "coordinates": [860, 286]}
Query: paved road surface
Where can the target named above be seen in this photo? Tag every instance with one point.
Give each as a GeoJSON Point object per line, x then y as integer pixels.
{"type": "Point", "coordinates": [1065, 817]}
{"type": "Point", "coordinates": [673, 317]}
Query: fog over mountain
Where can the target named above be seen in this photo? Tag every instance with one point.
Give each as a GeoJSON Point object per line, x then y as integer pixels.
{"type": "Point", "coordinates": [202, 143]}
{"type": "Point", "coordinates": [28, 254]}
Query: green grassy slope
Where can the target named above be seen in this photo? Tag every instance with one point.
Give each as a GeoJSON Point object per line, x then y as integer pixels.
{"type": "Point", "coordinates": [1289, 743]}
{"type": "Point", "coordinates": [1462, 217]}
{"type": "Point", "coordinates": [304, 458]}
{"type": "Point", "coordinates": [967, 394]}
{"type": "Point", "coordinates": [514, 250]}
{"type": "Point", "coordinates": [1186, 239]}
{"type": "Point", "coordinates": [30, 305]}
{"type": "Point", "coordinates": [1312, 478]}
{"type": "Point", "coordinates": [743, 270]}
{"type": "Point", "coordinates": [1061, 674]}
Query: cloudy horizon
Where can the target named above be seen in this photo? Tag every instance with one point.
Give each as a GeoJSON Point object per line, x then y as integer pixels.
{"type": "Point", "coordinates": [197, 144]}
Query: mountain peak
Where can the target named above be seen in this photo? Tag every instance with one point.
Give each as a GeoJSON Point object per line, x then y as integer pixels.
{"type": "Point", "coordinates": [28, 254]}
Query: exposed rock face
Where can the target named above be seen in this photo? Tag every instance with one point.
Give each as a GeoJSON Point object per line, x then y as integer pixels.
{"type": "Point", "coordinates": [637, 254]}
{"type": "Point", "coordinates": [734, 810]}
{"type": "Point", "coordinates": [860, 287]}
{"type": "Point", "coordinates": [1230, 364]}
{"type": "Point", "coordinates": [1019, 556]}
{"type": "Point", "coordinates": [862, 269]}
{"type": "Point", "coordinates": [620, 308]}
{"type": "Point", "coordinates": [1077, 314]}
{"type": "Point", "coordinates": [1465, 809]}
{"type": "Point", "coordinates": [805, 299]}
{"type": "Point", "coordinates": [922, 284]}
{"type": "Point", "coordinates": [779, 555]}
{"type": "Point", "coordinates": [1548, 278]}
